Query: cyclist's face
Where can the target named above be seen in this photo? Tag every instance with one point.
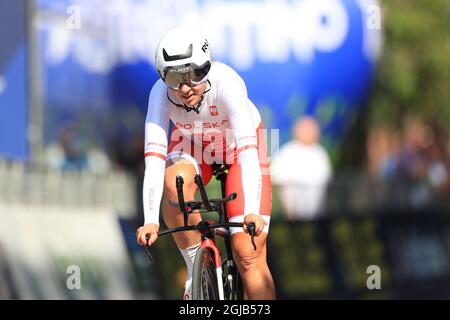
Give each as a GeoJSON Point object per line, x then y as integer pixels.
{"type": "Point", "coordinates": [190, 95]}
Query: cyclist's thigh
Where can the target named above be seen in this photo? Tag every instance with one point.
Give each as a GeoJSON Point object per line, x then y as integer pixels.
{"type": "Point", "coordinates": [183, 164]}
{"type": "Point", "coordinates": [235, 209]}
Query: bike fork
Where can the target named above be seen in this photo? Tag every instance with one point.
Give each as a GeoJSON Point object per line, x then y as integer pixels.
{"type": "Point", "coordinates": [219, 273]}
{"type": "Point", "coordinates": [209, 243]}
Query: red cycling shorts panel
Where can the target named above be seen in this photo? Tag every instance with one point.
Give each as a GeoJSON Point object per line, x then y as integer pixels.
{"type": "Point", "coordinates": [235, 208]}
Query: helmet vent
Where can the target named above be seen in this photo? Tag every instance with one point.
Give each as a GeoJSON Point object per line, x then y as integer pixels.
{"type": "Point", "coordinates": [185, 55]}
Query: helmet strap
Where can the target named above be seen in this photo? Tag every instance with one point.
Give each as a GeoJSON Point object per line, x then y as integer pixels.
{"type": "Point", "coordinates": [187, 108]}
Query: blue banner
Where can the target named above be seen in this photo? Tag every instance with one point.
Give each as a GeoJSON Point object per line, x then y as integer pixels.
{"type": "Point", "coordinates": [13, 81]}
{"type": "Point", "coordinates": [297, 57]}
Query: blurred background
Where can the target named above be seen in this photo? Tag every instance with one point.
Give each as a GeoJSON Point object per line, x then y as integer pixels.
{"type": "Point", "coordinates": [356, 97]}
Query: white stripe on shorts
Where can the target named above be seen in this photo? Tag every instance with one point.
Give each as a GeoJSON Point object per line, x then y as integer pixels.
{"type": "Point", "coordinates": [180, 155]}
{"type": "Point", "coordinates": [240, 219]}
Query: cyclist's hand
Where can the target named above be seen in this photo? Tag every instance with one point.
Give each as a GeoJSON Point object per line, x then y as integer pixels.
{"type": "Point", "coordinates": [257, 220]}
{"type": "Point", "coordinates": [151, 229]}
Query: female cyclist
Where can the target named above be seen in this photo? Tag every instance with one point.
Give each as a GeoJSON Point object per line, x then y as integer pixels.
{"type": "Point", "coordinates": [213, 122]}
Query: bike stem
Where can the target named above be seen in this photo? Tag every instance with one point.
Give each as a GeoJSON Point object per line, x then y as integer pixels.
{"type": "Point", "coordinates": [181, 203]}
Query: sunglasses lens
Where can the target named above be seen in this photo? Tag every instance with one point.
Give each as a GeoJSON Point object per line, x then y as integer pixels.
{"type": "Point", "coordinates": [190, 74]}
{"type": "Point", "coordinates": [173, 76]}
{"type": "Point", "coordinates": [199, 73]}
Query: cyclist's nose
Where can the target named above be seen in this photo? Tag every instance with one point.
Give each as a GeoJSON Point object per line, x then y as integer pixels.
{"type": "Point", "coordinates": [185, 89]}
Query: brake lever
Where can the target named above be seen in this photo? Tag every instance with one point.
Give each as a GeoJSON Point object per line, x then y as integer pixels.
{"type": "Point", "coordinates": [147, 248]}
{"type": "Point", "coordinates": [251, 231]}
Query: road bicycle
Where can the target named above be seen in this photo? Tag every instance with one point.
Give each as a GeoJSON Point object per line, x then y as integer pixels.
{"type": "Point", "coordinates": [212, 278]}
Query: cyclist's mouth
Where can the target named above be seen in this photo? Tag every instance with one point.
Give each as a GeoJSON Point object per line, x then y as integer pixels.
{"type": "Point", "coordinates": [186, 96]}
{"type": "Point", "coordinates": [189, 100]}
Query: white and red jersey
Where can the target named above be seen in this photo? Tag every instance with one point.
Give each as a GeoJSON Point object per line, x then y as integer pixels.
{"type": "Point", "coordinates": [227, 121]}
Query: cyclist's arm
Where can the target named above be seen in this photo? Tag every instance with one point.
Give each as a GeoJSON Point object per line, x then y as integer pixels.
{"type": "Point", "coordinates": [234, 95]}
{"type": "Point", "coordinates": [156, 128]}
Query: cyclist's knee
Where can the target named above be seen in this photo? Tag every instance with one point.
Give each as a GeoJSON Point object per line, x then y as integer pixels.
{"type": "Point", "coordinates": [245, 255]}
{"type": "Point", "coordinates": [247, 263]}
{"type": "Point", "coordinates": [246, 258]}
{"type": "Point", "coordinates": [183, 169]}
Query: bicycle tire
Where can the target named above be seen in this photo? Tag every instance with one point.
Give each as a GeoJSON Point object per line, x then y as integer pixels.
{"type": "Point", "coordinates": [204, 277]}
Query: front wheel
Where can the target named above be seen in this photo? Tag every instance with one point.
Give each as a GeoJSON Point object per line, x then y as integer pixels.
{"type": "Point", "coordinates": [204, 278]}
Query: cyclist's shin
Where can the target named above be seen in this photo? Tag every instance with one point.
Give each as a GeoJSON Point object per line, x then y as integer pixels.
{"type": "Point", "coordinates": [189, 256]}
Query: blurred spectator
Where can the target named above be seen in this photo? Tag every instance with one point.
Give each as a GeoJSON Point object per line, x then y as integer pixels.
{"type": "Point", "coordinates": [98, 161]}
{"type": "Point", "coordinates": [415, 166]}
{"type": "Point", "coordinates": [423, 162]}
{"type": "Point", "coordinates": [67, 153]}
{"type": "Point", "coordinates": [383, 146]}
{"type": "Point", "coordinates": [128, 153]}
{"type": "Point", "coordinates": [301, 171]}
{"type": "Point", "coordinates": [438, 174]}
{"type": "Point", "coordinates": [412, 162]}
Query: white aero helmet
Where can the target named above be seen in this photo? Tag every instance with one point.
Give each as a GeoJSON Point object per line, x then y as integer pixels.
{"type": "Point", "coordinates": [183, 56]}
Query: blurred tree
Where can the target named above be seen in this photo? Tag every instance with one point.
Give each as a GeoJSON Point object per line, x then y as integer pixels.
{"type": "Point", "coordinates": [414, 72]}
{"type": "Point", "coordinates": [413, 76]}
